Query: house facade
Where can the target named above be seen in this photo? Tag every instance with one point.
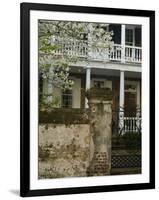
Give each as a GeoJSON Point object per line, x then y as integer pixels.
{"type": "Point", "coordinates": [118, 69]}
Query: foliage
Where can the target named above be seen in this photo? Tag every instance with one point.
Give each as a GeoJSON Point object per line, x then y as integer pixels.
{"type": "Point", "coordinates": [56, 69]}
{"type": "Point", "coordinates": [44, 104]}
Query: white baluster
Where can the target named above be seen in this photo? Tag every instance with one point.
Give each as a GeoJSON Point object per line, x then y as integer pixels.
{"type": "Point", "coordinates": [133, 54]}
{"type": "Point", "coordinates": [126, 53]}
{"type": "Point", "coordinates": [139, 55]}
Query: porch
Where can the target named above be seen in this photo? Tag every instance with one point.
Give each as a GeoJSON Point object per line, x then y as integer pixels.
{"type": "Point", "coordinates": [126, 99]}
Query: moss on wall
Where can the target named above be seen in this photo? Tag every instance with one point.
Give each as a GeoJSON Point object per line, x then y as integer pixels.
{"type": "Point", "coordinates": [63, 150]}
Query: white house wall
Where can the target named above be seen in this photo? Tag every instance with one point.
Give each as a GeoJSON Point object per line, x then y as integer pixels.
{"type": "Point", "coordinates": [76, 92]}
{"type": "Point", "coordinates": [57, 93]}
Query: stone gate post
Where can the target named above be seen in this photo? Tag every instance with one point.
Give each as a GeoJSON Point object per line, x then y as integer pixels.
{"type": "Point", "coordinates": [100, 117]}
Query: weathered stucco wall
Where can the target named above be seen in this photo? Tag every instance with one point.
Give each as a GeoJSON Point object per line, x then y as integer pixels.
{"type": "Point", "coordinates": [64, 151]}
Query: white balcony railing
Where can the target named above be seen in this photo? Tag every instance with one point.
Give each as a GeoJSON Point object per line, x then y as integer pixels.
{"type": "Point", "coordinates": [133, 54]}
{"type": "Point", "coordinates": [81, 49]}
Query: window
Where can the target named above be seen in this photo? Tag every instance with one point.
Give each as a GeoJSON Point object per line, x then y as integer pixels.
{"type": "Point", "coordinates": [67, 99]}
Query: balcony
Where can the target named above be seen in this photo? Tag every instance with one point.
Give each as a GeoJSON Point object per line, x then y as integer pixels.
{"type": "Point", "coordinates": [83, 50]}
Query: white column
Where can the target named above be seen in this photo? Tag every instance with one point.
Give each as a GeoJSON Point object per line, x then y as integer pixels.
{"type": "Point", "coordinates": [121, 98]}
{"type": "Point", "coordinates": [88, 78]}
{"type": "Point", "coordinates": [88, 83]}
{"type": "Point", "coordinates": [133, 49]}
{"type": "Point", "coordinates": [121, 101]}
{"type": "Point", "coordinates": [138, 94]}
{"type": "Point", "coordinates": [123, 43]}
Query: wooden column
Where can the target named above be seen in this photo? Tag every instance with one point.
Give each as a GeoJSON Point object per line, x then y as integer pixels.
{"type": "Point", "coordinates": [121, 101]}
{"type": "Point", "coordinates": [123, 43]}
{"type": "Point", "coordinates": [88, 83]}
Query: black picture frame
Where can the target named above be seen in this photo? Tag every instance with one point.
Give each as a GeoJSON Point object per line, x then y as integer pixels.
{"type": "Point", "coordinates": [25, 9]}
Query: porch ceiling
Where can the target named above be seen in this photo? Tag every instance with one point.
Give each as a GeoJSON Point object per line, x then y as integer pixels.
{"type": "Point", "coordinates": [106, 72]}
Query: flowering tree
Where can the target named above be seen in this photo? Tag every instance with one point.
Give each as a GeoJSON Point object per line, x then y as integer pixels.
{"type": "Point", "coordinates": [56, 68]}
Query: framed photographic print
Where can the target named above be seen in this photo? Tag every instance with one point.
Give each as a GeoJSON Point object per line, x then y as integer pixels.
{"type": "Point", "coordinates": [87, 99]}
